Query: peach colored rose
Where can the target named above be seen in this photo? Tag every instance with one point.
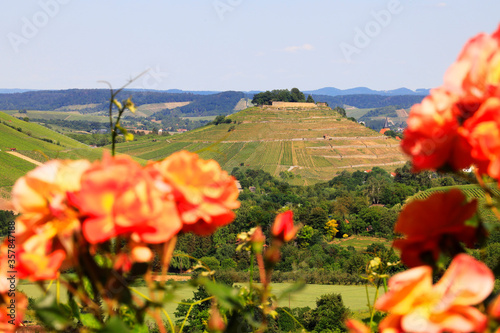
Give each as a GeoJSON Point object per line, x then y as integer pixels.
{"type": "Point", "coordinates": [40, 196]}
{"type": "Point", "coordinates": [118, 197]}
{"type": "Point", "coordinates": [205, 194]}
{"type": "Point", "coordinates": [37, 260]}
{"type": "Point", "coordinates": [47, 224]}
{"type": "Point", "coordinates": [415, 305]}
{"type": "Point", "coordinates": [20, 303]}
{"type": "Point", "coordinates": [428, 224]}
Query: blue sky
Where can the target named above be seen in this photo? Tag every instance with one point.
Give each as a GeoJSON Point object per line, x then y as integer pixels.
{"type": "Point", "coordinates": [236, 44]}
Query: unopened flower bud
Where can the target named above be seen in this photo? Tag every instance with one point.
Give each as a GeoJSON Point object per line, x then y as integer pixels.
{"type": "Point", "coordinates": [215, 323]}
{"type": "Point", "coordinates": [283, 228]}
{"type": "Point", "coordinates": [272, 256]}
{"type": "Point", "coordinates": [257, 240]}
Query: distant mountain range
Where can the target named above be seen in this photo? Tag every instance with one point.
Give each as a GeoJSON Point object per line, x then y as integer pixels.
{"type": "Point", "coordinates": [328, 91]}
{"type": "Point", "coordinates": [13, 91]}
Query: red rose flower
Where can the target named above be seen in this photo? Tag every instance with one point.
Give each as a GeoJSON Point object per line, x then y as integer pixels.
{"type": "Point", "coordinates": [426, 225]}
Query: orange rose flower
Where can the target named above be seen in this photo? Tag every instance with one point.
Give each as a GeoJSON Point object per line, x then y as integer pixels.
{"type": "Point", "coordinates": [117, 197]}
{"type": "Point", "coordinates": [431, 137]}
{"type": "Point", "coordinates": [283, 228]}
{"type": "Point", "coordinates": [37, 260]}
{"type": "Point", "coordinates": [40, 196]}
{"type": "Point", "coordinates": [435, 137]}
{"type": "Point", "coordinates": [4, 266]}
{"type": "Point", "coordinates": [483, 133]}
{"type": "Point", "coordinates": [494, 308]}
{"type": "Point", "coordinates": [204, 193]}
{"type": "Point", "coordinates": [475, 75]}
{"type": "Point", "coordinates": [354, 326]}
{"type": "Point", "coordinates": [12, 311]}
{"type": "Point", "coordinates": [432, 223]}
{"type": "Point", "coordinates": [415, 305]}
{"type": "Point", "coordinates": [46, 217]}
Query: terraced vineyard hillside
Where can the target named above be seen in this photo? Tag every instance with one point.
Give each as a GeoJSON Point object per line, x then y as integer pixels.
{"type": "Point", "coordinates": [471, 191]}
{"type": "Point", "coordinates": [312, 144]}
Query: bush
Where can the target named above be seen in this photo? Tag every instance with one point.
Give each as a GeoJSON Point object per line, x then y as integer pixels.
{"type": "Point", "coordinates": [228, 263]}
{"type": "Point", "coordinates": [329, 315]}
{"type": "Point", "coordinates": [211, 262]}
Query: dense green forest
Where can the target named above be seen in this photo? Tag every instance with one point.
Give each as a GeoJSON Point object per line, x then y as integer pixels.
{"type": "Point", "coordinates": [212, 105]}
{"type": "Point", "coordinates": [369, 101]}
{"type": "Point", "coordinates": [361, 203]}
{"type": "Point", "coordinates": [54, 99]}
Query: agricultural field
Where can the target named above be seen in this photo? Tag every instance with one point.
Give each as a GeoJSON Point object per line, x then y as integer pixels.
{"type": "Point", "coordinates": [356, 113]}
{"type": "Point", "coordinates": [11, 168]}
{"type": "Point", "coordinates": [209, 118]}
{"type": "Point", "coordinates": [314, 144]}
{"type": "Point", "coordinates": [361, 242]}
{"type": "Point", "coordinates": [146, 110]}
{"type": "Point", "coordinates": [69, 115]}
{"type": "Point", "coordinates": [471, 192]}
{"type": "Point", "coordinates": [354, 297]}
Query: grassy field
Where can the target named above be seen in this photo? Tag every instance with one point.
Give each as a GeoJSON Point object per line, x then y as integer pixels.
{"type": "Point", "coordinates": [68, 115]}
{"type": "Point", "coordinates": [361, 242]}
{"type": "Point", "coordinates": [357, 113]}
{"type": "Point", "coordinates": [354, 297]}
{"type": "Point", "coordinates": [209, 118]}
{"type": "Point", "coordinates": [314, 144]}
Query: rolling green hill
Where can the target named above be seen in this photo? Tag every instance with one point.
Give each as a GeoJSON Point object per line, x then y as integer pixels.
{"type": "Point", "coordinates": [313, 145]}
{"type": "Point", "coordinates": [35, 142]}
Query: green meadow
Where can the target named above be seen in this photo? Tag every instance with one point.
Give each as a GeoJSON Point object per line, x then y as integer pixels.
{"type": "Point", "coordinates": [354, 297]}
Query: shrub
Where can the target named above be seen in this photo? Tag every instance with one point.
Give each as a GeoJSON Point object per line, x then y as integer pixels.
{"type": "Point", "coordinates": [211, 262]}
{"type": "Point", "coordinates": [329, 314]}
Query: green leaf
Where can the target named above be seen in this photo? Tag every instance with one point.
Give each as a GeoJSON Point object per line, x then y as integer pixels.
{"type": "Point", "coordinates": [140, 329]}
{"type": "Point", "coordinates": [128, 136]}
{"type": "Point", "coordinates": [103, 261]}
{"type": "Point", "coordinates": [75, 309]}
{"type": "Point", "coordinates": [118, 104]}
{"type": "Point", "coordinates": [130, 105]}
{"type": "Point", "coordinates": [114, 325]}
{"type": "Point", "coordinates": [88, 320]}
{"type": "Point", "coordinates": [57, 317]}
{"type": "Point", "coordinates": [88, 287]}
